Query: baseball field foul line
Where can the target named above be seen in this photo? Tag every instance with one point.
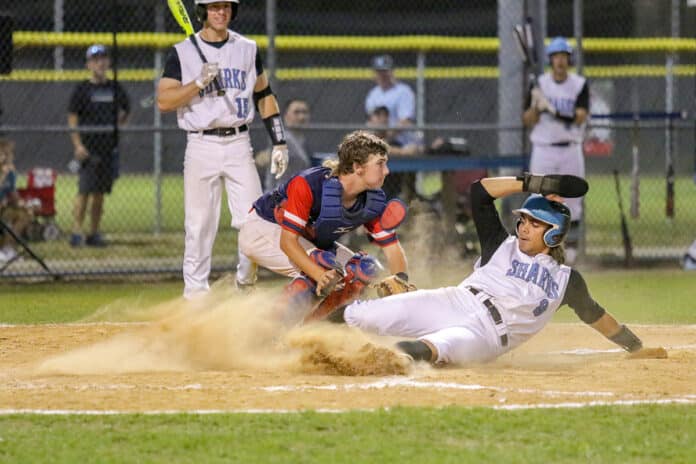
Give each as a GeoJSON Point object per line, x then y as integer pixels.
{"type": "Point", "coordinates": [690, 399]}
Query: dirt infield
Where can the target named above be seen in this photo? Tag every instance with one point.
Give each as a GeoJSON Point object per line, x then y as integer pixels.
{"type": "Point", "coordinates": [221, 358]}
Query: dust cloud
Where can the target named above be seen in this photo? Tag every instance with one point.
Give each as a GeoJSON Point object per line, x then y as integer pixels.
{"type": "Point", "coordinates": [224, 330]}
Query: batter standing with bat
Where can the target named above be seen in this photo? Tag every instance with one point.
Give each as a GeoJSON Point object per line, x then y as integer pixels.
{"type": "Point", "coordinates": [517, 285]}
{"type": "Point", "coordinates": [214, 79]}
{"type": "Point", "coordinates": [557, 109]}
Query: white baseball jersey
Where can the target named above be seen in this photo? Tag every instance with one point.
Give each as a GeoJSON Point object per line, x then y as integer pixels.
{"type": "Point", "coordinates": [563, 96]}
{"type": "Point", "coordinates": [237, 76]}
{"type": "Point", "coordinates": [526, 290]}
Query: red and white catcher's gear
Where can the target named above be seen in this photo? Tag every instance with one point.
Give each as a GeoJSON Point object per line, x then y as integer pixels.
{"type": "Point", "coordinates": [300, 294]}
{"type": "Point", "coordinates": [360, 271]}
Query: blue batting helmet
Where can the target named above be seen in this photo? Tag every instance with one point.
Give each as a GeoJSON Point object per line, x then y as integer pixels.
{"type": "Point", "coordinates": [553, 213]}
{"type": "Point", "coordinates": [559, 45]}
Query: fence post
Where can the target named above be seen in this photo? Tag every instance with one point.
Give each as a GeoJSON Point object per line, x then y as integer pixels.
{"type": "Point", "coordinates": [271, 34]}
{"type": "Point", "coordinates": [157, 122]}
{"type": "Point", "coordinates": [58, 26]}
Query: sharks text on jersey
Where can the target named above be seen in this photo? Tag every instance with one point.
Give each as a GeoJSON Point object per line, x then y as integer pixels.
{"type": "Point", "coordinates": [538, 275]}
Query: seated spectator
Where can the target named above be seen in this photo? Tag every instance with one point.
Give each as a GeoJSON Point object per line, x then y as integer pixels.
{"type": "Point", "coordinates": [13, 213]}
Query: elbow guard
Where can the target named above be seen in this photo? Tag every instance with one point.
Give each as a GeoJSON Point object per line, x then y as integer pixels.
{"type": "Point", "coordinates": [257, 96]}
{"type": "Point", "coordinates": [627, 340]}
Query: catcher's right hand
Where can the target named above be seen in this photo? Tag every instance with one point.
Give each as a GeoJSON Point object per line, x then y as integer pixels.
{"type": "Point", "coordinates": [393, 285]}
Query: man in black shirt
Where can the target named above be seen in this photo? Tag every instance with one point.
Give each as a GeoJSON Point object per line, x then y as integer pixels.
{"type": "Point", "coordinates": [93, 103]}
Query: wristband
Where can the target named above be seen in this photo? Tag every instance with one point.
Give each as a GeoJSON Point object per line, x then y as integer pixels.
{"type": "Point", "coordinates": [274, 126]}
{"type": "Point", "coordinates": [627, 339]}
{"type": "Point", "coordinates": [199, 84]}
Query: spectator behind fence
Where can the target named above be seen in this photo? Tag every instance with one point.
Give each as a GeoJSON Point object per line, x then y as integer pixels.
{"type": "Point", "coordinates": [557, 110]}
{"type": "Point", "coordinates": [399, 184]}
{"type": "Point", "coordinates": [296, 116]}
{"type": "Point", "coordinates": [13, 213]}
{"type": "Point", "coordinates": [93, 103]}
{"type": "Point", "coordinates": [396, 96]}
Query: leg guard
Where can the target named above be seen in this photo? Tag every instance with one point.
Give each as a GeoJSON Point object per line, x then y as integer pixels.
{"type": "Point", "coordinates": [299, 295]}
{"type": "Point", "coordinates": [297, 298]}
{"type": "Point", "coordinates": [360, 270]}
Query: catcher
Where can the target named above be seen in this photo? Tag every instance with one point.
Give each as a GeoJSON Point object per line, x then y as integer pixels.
{"type": "Point", "coordinates": [517, 284]}
{"type": "Point", "coordinates": [293, 229]}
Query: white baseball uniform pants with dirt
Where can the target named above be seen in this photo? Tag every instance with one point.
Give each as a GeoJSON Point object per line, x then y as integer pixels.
{"type": "Point", "coordinates": [259, 240]}
{"type": "Point", "coordinates": [211, 163]}
{"type": "Point", "coordinates": [548, 159]}
{"type": "Point", "coordinates": [451, 318]}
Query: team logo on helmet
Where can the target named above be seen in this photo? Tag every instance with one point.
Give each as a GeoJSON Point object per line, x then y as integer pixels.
{"type": "Point", "coordinates": [553, 213]}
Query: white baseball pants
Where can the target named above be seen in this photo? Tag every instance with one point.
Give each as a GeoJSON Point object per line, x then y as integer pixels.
{"type": "Point", "coordinates": [210, 163]}
{"type": "Point", "coordinates": [450, 318]}
{"type": "Point", "coordinates": [259, 239]}
{"type": "Point", "coordinates": [547, 159]}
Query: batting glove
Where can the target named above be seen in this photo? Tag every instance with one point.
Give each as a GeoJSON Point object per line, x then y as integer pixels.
{"type": "Point", "coordinates": [209, 72]}
{"type": "Point", "coordinates": [543, 104]}
{"type": "Point", "coordinates": [279, 160]}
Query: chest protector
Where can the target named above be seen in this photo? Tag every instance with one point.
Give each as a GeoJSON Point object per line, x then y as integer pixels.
{"type": "Point", "coordinates": [334, 220]}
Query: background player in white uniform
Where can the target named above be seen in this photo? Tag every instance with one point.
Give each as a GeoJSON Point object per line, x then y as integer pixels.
{"type": "Point", "coordinates": [215, 103]}
{"type": "Point", "coordinates": [557, 111]}
{"type": "Point", "coordinates": [517, 285]}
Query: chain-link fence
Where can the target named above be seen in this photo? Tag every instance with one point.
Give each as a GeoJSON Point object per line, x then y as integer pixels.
{"type": "Point", "coordinates": [458, 57]}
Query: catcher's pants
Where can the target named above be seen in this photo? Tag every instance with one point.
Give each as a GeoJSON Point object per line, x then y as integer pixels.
{"type": "Point", "coordinates": [210, 163]}
{"type": "Point", "coordinates": [259, 240]}
{"type": "Point", "coordinates": [549, 159]}
{"type": "Point", "coordinates": [450, 318]}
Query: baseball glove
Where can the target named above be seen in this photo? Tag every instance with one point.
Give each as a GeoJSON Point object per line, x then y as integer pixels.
{"type": "Point", "coordinates": [393, 285]}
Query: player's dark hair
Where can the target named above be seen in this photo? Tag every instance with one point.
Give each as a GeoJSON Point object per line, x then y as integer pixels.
{"type": "Point", "coordinates": [558, 253]}
{"type": "Point", "coordinates": [357, 147]}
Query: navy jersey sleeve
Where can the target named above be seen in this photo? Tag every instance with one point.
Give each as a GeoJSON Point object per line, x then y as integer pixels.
{"type": "Point", "coordinates": [489, 229]}
{"type": "Point", "coordinates": [583, 100]}
{"type": "Point", "coordinates": [172, 65]}
{"type": "Point", "coordinates": [76, 99]}
{"type": "Point", "coordinates": [259, 62]}
{"type": "Point", "coordinates": [577, 296]}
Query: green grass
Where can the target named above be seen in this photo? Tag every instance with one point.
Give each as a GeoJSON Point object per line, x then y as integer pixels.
{"type": "Point", "coordinates": [640, 434]}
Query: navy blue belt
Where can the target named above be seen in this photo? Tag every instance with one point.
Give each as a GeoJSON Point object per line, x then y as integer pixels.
{"type": "Point", "coordinates": [223, 131]}
{"type": "Point", "coordinates": [495, 314]}
{"type": "Point", "coordinates": [562, 144]}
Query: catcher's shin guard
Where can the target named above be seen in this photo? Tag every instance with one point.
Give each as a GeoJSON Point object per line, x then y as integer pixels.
{"type": "Point", "coordinates": [296, 300]}
{"type": "Point", "coordinates": [299, 295]}
{"type": "Point", "coordinates": [360, 270]}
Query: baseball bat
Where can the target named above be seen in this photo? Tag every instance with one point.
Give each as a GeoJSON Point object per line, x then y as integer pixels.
{"type": "Point", "coordinates": [635, 172]}
{"type": "Point", "coordinates": [625, 235]}
{"type": "Point", "coordinates": [524, 38]}
{"type": "Point", "coordinates": [182, 18]}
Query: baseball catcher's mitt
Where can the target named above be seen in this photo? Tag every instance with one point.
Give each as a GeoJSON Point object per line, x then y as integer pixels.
{"type": "Point", "coordinates": [393, 285]}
